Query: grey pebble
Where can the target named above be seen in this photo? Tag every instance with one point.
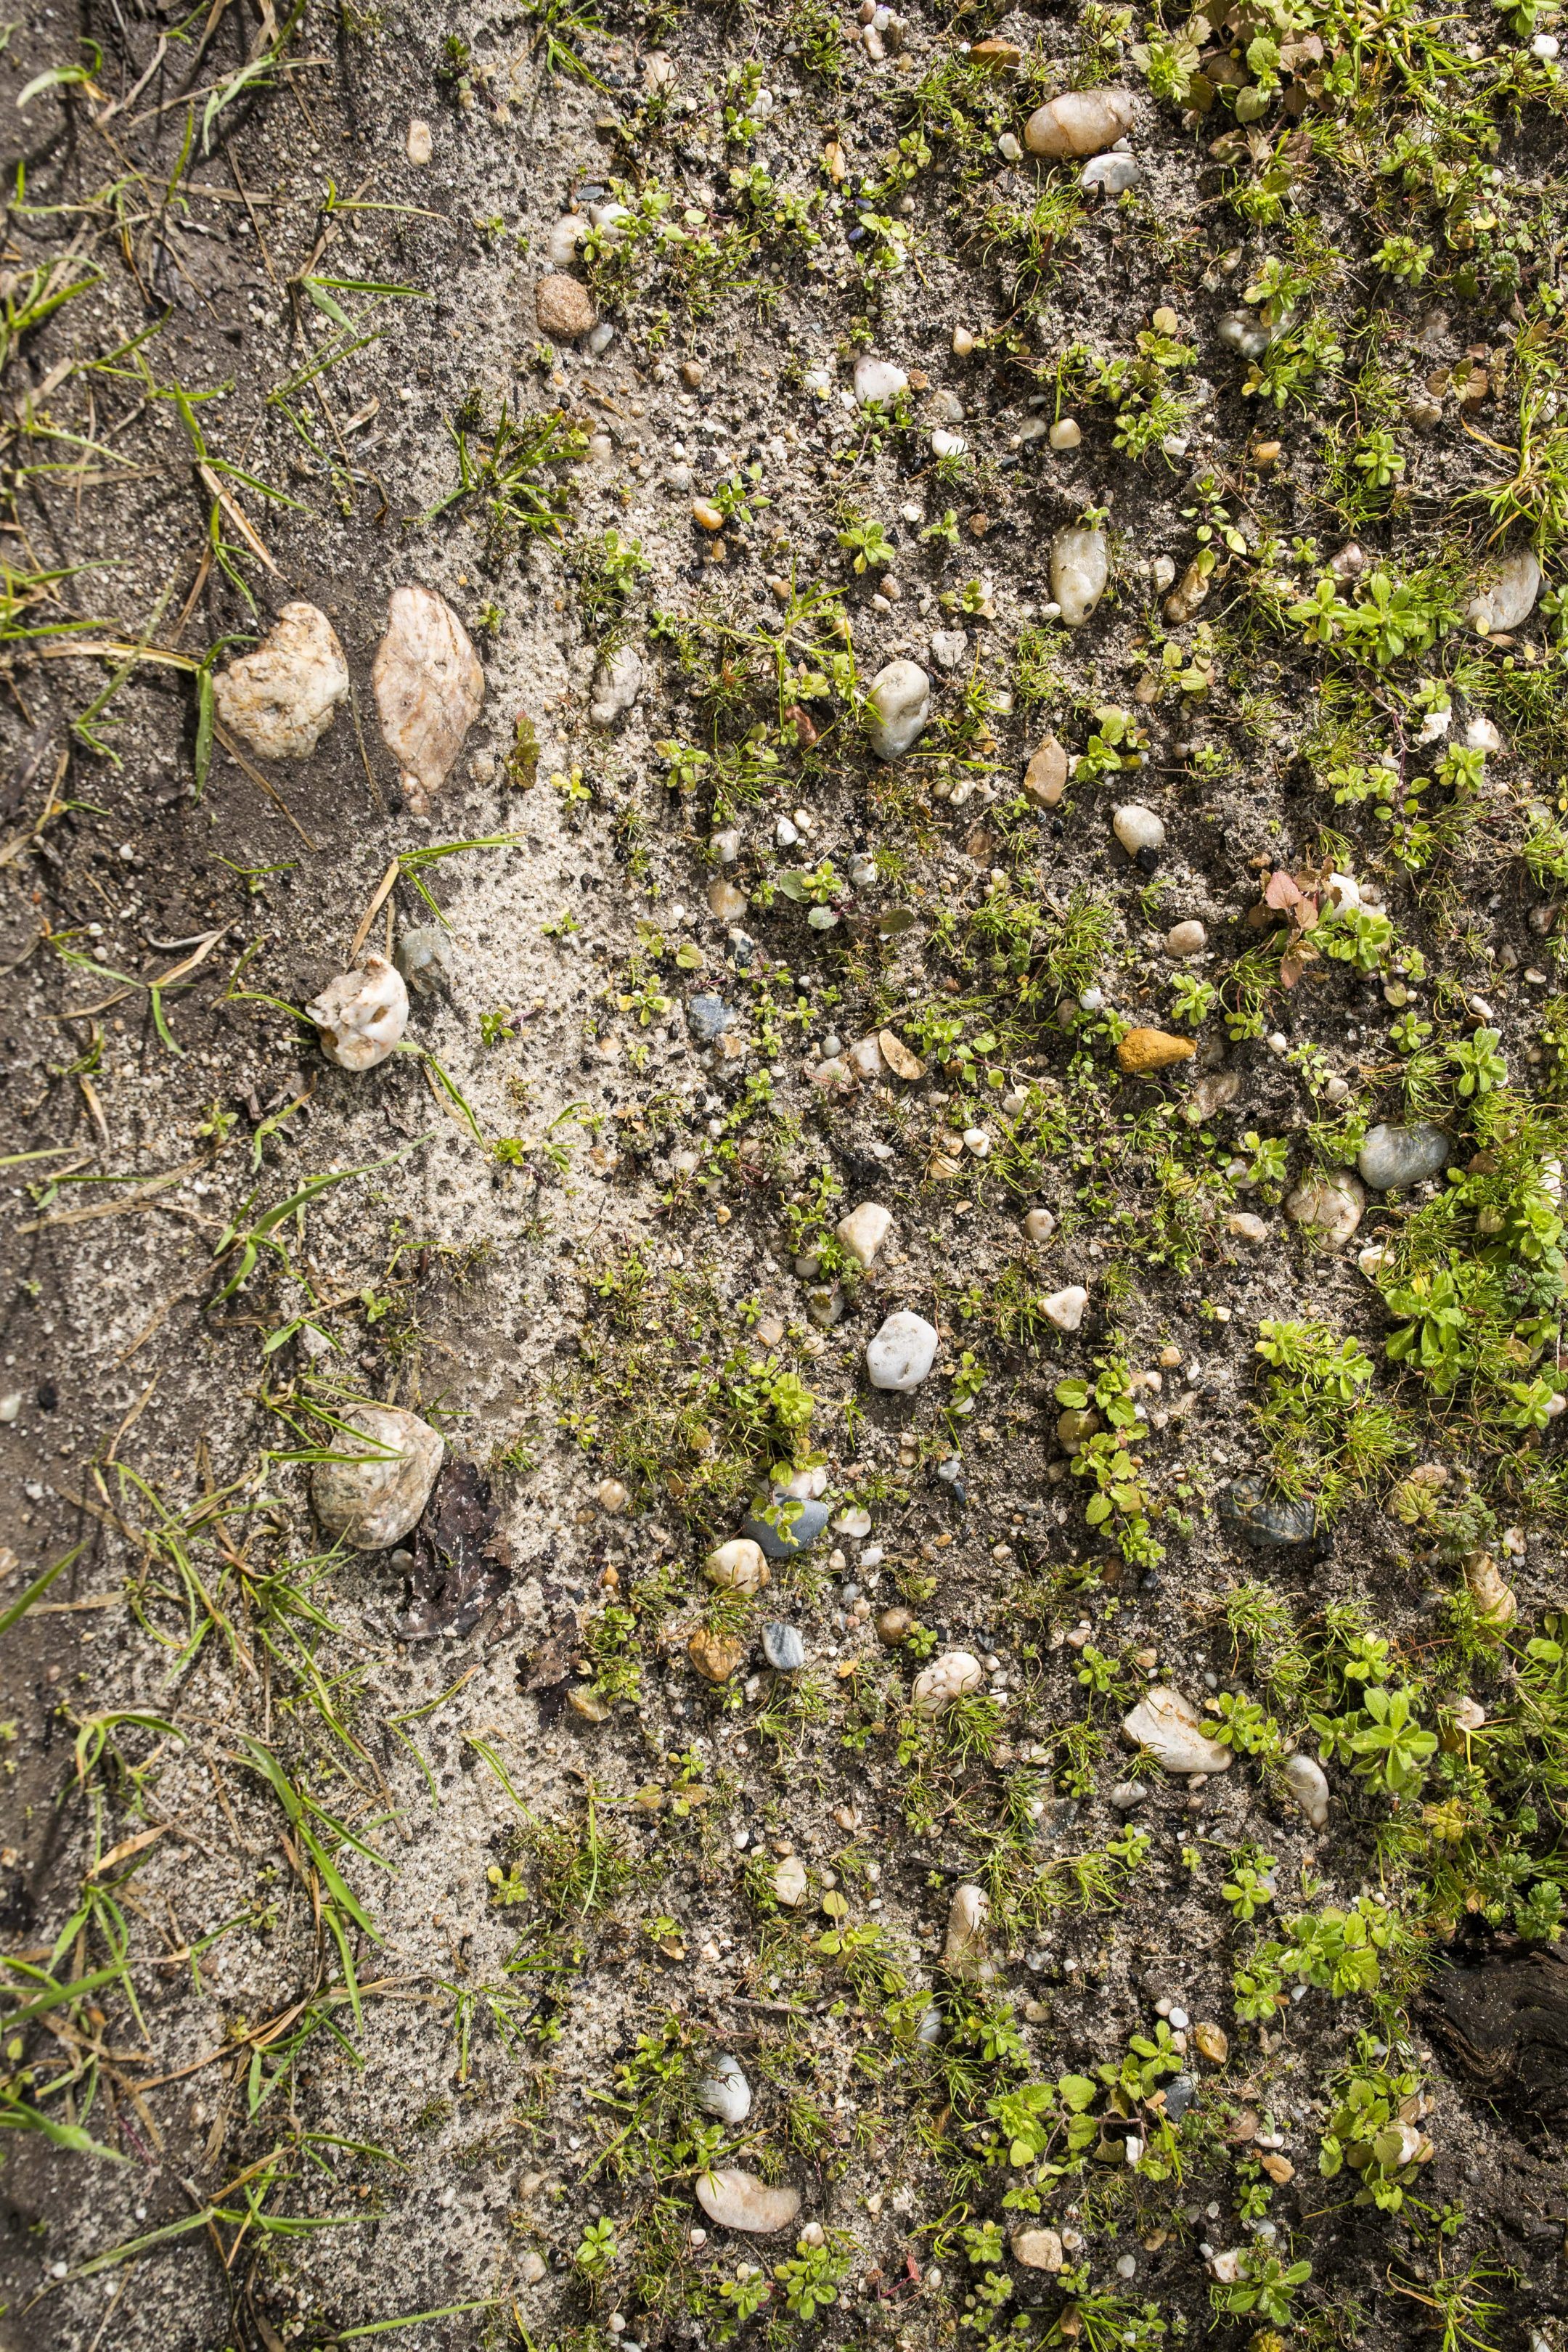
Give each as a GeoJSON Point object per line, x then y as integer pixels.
{"type": "Point", "coordinates": [783, 1648]}
{"type": "Point", "coordinates": [802, 1523]}
{"type": "Point", "coordinates": [1179, 2096]}
{"type": "Point", "coordinates": [707, 1017]}
{"type": "Point", "coordinates": [1127, 1794]}
{"type": "Point", "coordinates": [1393, 1158]}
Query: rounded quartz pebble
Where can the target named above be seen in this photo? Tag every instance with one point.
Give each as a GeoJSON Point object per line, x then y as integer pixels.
{"type": "Point", "coordinates": [1111, 174]}
{"type": "Point", "coordinates": [1165, 1722]}
{"type": "Point", "coordinates": [737, 1566]}
{"type": "Point", "coordinates": [864, 1231]}
{"type": "Point", "coordinates": [1039, 1225]}
{"type": "Point", "coordinates": [1188, 938]}
{"type": "Point", "coordinates": [900, 705]}
{"type": "Point", "coordinates": [739, 2201]}
{"type": "Point", "coordinates": [1137, 827]}
{"type": "Point", "coordinates": [1066, 433]}
{"type": "Point", "coordinates": [1329, 1204]}
{"type": "Point", "coordinates": [1245, 1227]}
{"type": "Point", "coordinates": [783, 1648]}
{"type": "Point", "coordinates": [1080, 565]}
{"type": "Point", "coordinates": [1079, 122]}
{"type": "Point", "coordinates": [900, 1355]}
{"type": "Point", "coordinates": [1066, 1308]}
{"type": "Point", "coordinates": [725, 2093]}
{"type": "Point", "coordinates": [951, 1676]}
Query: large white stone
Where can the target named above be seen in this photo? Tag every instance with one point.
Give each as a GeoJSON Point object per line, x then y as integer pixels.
{"type": "Point", "coordinates": [899, 704]}
{"type": "Point", "coordinates": [739, 2201]}
{"type": "Point", "coordinates": [1079, 122]}
{"type": "Point", "coordinates": [725, 2093]}
{"type": "Point", "coordinates": [1079, 569]}
{"type": "Point", "coordinates": [951, 1676]}
{"type": "Point", "coordinates": [901, 1353]}
{"type": "Point", "coordinates": [281, 699]}
{"type": "Point", "coordinates": [738, 1566]}
{"type": "Point", "coordinates": [1507, 597]}
{"type": "Point", "coordinates": [964, 1952]}
{"type": "Point", "coordinates": [567, 235]}
{"type": "Point", "coordinates": [789, 1882]}
{"type": "Point", "coordinates": [1307, 1782]}
{"type": "Point", "coordinates": [428, 689]}
{"type": "Point", "coordinates": [1166, 1723]}
{"type": "Point", "coordinates": [1038, 2250]}
{"type": "Point", "coordinates": [878, 379]}
{"type": "Point", "coordinates": [1330, 1204]}
{"type": "Point", "coordinates": [374, 1499]}
{"type": "Point", "coordinates": [1066, 1308]}
{"type": "Point", "coordinates": [1137, 827]}
{"type": "Point", "coordinates": [864, 1231]}
{"type": "Point", "coordinates": [362, 1015]}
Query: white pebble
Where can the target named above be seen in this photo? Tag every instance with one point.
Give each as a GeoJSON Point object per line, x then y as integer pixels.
{"type": "Point", "coordinates": [1065, 1308]}
{"type": "Point", "coordinates": [1079, 569]}
{"type": "Point", "coordinates": [878, 379]}
{"type": "Point", "coordinates": [1137, 828]}
{"type": "Point", "coordinates": [900, 1355]}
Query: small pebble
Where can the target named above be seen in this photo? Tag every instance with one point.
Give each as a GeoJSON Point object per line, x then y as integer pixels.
{"type": "Point", "coordinates": [1065, 1308]}
{"type": "Point", "coordinates": [709, 1017]}
{"type": "Point", "coordinates": [1245, 1227]}
{"type": "Point", "coordinates": [1110, 175]}
{"type": "Point", "coordinates": [899, 704]}
{"type": "Point", "coordinates": [1138, 828]}
{"type": "Point", "coordinates": [1394, 1158]}
{"type": "Point", "coordinates": [951, 1676]}
{"type": "Point", "coordinates": [1329, 1204]}
{"type": "Point", "coordinates": [1080, 566]}
{"type": "Point", "coordinates": [725, 2093]}
{"type": "Point", "coordinates": [903, 1352]}
{"type": "Point", "coordinates": [878, 379]}
{"type": "Point", "coordinates": [1271, 1522]}
{"type": "Point", "coordinates": [783, 1648]}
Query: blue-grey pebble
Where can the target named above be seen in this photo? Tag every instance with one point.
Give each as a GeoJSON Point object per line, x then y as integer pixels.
{"type": "Point", "coordinates": [800, 1525]}
{"type": "Point", "coordinates": [1393, 1158]}
{"type": "Point", "coordinates": [1179, 2096]}
{"type": "Point", "coordinates": [707, 1017]}
{"type": "Point", "coordinates": [783, 1648]}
